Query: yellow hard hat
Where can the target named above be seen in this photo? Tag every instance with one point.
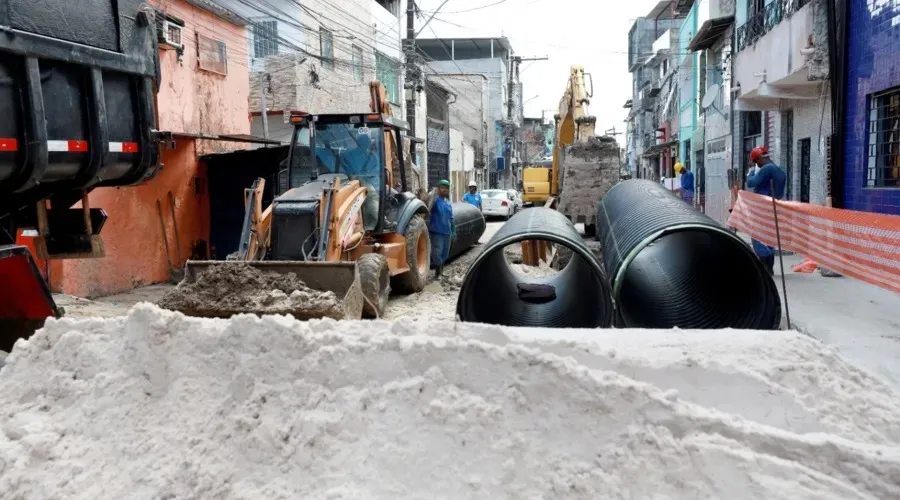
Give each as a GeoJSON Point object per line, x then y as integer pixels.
{"type": "Point", "coordinates": [678, 168]}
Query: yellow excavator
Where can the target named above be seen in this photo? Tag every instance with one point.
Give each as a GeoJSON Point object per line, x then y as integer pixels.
{"type": "Point", "coordinates": [341, 226]}
{"type": "Point", "coordinates": [541, 184]}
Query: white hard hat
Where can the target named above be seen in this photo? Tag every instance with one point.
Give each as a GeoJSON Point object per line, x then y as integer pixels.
{"type": "Point", "coordinates": [472, 184]}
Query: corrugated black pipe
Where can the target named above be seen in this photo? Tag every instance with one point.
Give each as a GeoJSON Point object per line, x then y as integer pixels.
{"type": "Point", "coordinates": [672, 266]}
{"type": "Point", "coordinates": [578, 296]}
{"type": "Point", "coordinates": [470, 226]}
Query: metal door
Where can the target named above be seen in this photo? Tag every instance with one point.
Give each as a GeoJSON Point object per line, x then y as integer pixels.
{"type": "Point", "coordinates": [805, 145]}
{"type": "Point", "coordinates": [787, 128]}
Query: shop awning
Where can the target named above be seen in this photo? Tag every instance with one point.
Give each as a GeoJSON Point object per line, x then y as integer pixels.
{"type": "Point", "coordinates": [709, 32]}
{"type": "Point", "coordinates": [659, 148]}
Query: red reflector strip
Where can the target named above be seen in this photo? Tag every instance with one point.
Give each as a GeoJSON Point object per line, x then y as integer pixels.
{"type": "Point", "coordinates": [9, 144]}
{"type": "Point", "coordinates": [123, 147]}
{"type": "Point", "coordinates": [68, 146]}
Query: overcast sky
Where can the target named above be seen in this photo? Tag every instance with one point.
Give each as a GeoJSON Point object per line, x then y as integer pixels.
{"type": "Point", "coordinates": [593, 33]}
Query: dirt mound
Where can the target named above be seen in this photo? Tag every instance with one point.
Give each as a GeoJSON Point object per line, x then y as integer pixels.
{"type": "Point", "coordinates": [239, 288]}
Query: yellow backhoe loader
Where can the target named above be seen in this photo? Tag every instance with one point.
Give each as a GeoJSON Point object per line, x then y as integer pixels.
{"type": "Point", "coordinates": [341, 226]}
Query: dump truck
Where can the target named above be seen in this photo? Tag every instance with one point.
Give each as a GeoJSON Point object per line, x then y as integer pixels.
{"type": "Point", "coordinates": [341, 228]}
{"type": "Point", "coordinates": [77, 86]}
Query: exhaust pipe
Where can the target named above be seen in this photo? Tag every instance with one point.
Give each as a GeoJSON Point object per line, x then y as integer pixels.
{"type": "Point", "coordinates": [578, 296]}
{"type": "Point", "coordinates": [672, 266]}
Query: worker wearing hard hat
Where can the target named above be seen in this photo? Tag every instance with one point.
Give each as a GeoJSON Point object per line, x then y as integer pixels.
{"type": "Point", "coordinates": [473, 197]}
{"type": "Point", "coordinates": [441, 227]}
{"type": "Point", "coordinates": [768, 179]}
{"type": "Point", "coordinates": [687, 183]}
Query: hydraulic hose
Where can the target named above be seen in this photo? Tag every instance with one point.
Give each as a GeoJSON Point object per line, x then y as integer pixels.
{"type": "Point", "coordinates": [672, 266]}
{"type": "Point", "coordinates": [578, 296]}
{"type": "Point", "coordinates": [470, 227]}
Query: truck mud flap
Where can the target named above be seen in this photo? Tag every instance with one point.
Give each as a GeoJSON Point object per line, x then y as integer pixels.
{"type": "Point", "coordinates": [25, 298]}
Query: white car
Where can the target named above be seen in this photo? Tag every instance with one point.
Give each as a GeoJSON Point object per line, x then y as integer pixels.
{"type": "Point", "coordinates": [514, 195]}
{"type": "Point", "coordinates": [497, 203]}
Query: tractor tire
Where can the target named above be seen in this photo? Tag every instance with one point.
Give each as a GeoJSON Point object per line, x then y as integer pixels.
{"type": "Point", "coordinates": [590, 230]}
{"type": "Point", "coordinates": [374, 278]}
{"type": "Point", "coordinates": [418, 257]}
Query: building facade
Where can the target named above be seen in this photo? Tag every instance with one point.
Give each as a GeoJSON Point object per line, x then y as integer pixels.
{"type": "Point", "coordinates": [490, 60]}
{"type": "Point", "coordinates": [871, 180]}
{"type": "Point", "coordinates": [782, 93]}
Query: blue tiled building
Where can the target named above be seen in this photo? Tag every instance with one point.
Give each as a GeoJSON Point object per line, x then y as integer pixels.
{"type": "Point", "coordinates": [872, 155]}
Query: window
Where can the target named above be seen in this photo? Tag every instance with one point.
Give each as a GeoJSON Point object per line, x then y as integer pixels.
{"type": "Point", "coordinates": [386, 72]}
{"type": "Point", "coordinates": [357, 63]}
{"type": "Point", "coordinates": [326, 48]}
{"type": "Point", "coordinates": [211, 55]}
{"type": "Point", "coordinates": [265, 38]}
{"type": "Point", "coordinates": [883, 162]}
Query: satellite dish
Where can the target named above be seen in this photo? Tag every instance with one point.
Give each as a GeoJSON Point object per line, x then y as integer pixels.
{"type": "Point", "coordinates": [712, 93]}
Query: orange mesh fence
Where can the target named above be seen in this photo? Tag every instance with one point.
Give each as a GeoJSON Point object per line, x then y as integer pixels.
{"type": "Point", "coordinates": [861, 245]}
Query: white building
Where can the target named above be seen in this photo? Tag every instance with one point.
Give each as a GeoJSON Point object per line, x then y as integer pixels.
{"type": "Point", "coordinates": [780, 83]}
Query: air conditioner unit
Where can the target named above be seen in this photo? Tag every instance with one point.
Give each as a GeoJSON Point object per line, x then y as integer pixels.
{"type": "Point", "coordinates": [170, 34]}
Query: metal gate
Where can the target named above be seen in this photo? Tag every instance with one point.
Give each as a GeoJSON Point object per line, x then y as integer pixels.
{"type": "Point", "coordinates": [438, 168]}
{"type": "Point", "coordinates": [787, 128]}
{"type": "Point", "coordinates": [805, 145]}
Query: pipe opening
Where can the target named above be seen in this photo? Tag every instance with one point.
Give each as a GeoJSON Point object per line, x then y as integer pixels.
{"type": "Point", "coordinates": [497, 290]}
{"type": "Point", "coordinates": [696, 278]}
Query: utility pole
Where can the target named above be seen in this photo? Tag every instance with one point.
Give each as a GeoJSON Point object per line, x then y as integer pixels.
{"type": "Point", "coordinates": [410, 64]}
{"type": "Point", "coordinates": [514, 63]}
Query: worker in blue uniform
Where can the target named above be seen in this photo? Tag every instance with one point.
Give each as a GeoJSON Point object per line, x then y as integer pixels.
{"type": "Point", "coordinates": [765, 175]}
{"type": "Point", "coordinates": [441, 227]}
{"type": "Point", "coordinates": [687, 183]}
{"type": "Point", "coordinates": [473, 197]}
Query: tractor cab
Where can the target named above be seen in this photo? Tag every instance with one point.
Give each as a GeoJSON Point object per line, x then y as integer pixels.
{"type": "Point", "coordinates": [351, 147]}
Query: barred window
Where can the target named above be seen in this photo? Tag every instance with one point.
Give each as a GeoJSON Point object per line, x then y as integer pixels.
{"type": "Point", "coordinates": [883, 162]}
{"type": "Point", "coordinates": [265, 38]}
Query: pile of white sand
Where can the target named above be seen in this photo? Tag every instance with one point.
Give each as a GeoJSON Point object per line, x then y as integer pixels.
{"type": "Point", "coordinates": [159, 406]}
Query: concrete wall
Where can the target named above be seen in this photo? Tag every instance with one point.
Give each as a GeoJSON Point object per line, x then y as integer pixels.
{"type": "Point", "coordinates": [190, 100]}
{"type": "Point", "coordinates": [873, 45]}
{"type": "Point", "coordinates": [718, 141]}
{"type": "Point", "coordinates": [812, 120]}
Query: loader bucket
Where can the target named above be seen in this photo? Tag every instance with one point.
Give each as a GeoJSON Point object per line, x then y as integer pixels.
{"type": "Point", "coordinates": [252, 293]}
{"type": "Point", "coordinates": [25, 299]}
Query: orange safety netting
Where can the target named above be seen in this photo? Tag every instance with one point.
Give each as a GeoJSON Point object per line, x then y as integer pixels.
{"type": "Point", "coordinates": [861, 245]}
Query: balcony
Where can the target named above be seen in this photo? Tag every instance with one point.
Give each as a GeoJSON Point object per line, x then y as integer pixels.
{"type": "Point", "coordinates": [782, 55]}
{"type": "Point", "coordinates": [763, 22]}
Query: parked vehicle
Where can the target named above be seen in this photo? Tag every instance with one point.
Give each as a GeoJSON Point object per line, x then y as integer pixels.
{"type": "Point", "coordinates": [497, 203]}
{"type": "Point", "coordinates": [516, 198]}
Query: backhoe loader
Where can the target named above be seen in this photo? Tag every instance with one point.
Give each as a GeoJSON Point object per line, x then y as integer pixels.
{"type": "Point", "coordinates": [340, 226]}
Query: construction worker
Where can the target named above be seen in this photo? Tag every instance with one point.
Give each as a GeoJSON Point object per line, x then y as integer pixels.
{"type": "Point", "coordinates": [687, 183]}
{"type": "Point", "coordinates": [763, 176]}
{"type": "Point", "coordinates": [441, 226]}
{"type": "Point", "coordinates": [473, 197]}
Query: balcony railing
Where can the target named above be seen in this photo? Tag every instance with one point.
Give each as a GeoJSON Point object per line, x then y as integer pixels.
{"type": "Point", "coordinates": [762, 22]}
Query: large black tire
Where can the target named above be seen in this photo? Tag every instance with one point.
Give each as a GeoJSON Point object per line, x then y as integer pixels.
{"type": "Point", "coordinates": [374, 278]}
{"type": "Point", "coordinates": [417, 258]}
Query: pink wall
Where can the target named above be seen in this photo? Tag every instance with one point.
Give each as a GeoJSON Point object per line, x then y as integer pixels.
{"type": "Point", "coordinates": [190, 100]}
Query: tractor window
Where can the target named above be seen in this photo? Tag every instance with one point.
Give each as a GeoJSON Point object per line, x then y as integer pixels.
{"type": "Point", "coordinates": [354, 149]}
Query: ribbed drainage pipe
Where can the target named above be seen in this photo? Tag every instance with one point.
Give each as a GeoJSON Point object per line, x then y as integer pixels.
{"type": "Point", "coordinates": [470, 226]}
{"type": "Point", "coordinates": [578, 296]}
{"type": "Point", "coordinates": [672, 266]}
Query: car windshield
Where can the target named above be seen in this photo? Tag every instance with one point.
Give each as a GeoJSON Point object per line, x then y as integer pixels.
{"type": "Point", "coordinates": [491, 193]}
{"type": "Point", "coordinates": [353, 149]}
